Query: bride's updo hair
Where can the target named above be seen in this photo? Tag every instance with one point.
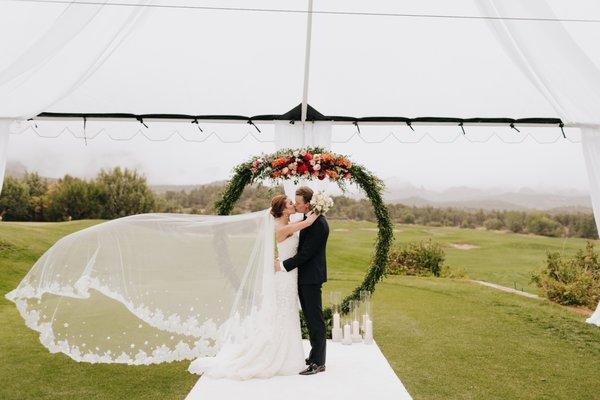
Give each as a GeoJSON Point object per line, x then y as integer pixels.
{"type": "Point", "coordinates": [278, 205]}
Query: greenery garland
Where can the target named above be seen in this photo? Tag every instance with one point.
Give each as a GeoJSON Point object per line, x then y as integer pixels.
{"type": "Point", "coordinates": [280, 166]}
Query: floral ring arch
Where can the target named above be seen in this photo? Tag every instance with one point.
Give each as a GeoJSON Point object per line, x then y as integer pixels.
{"type": "Point", "coordinates": [318, 163]}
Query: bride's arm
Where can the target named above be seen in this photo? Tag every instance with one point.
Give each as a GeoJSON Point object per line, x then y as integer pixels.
{"type": "Point", "coordinates": [288, 229]}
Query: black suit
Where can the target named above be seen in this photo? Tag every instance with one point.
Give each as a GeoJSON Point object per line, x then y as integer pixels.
{"type": "Point", "coordinates": [312, 273]}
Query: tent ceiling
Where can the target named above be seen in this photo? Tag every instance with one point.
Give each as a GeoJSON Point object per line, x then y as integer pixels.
{"type": "Point", "coordinates": [199, 62]}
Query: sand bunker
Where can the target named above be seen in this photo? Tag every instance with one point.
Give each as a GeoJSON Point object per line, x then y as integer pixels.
{"type": "Point", "coordinates": [463, 246]}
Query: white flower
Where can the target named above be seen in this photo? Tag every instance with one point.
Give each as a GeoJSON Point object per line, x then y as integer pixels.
{"type": "Point", "coordinates": [321, 203]}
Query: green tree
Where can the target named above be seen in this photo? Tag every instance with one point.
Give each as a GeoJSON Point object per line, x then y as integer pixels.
{"type": "Point", "coordinates": [69, 198]}
{"type": "Point", "coordinates": [14, 200]}
{"type": "Point", "coordinates": [37, 187]}
{"type": "Point", "coordinates": [123, 192]}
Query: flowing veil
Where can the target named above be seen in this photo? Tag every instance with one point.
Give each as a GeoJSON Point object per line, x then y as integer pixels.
{"type": "Point", "coordinates": [152, 288]}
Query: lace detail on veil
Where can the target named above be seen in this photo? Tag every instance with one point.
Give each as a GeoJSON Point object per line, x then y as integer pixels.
{"type": "Point", "coordinates": [150, 288]}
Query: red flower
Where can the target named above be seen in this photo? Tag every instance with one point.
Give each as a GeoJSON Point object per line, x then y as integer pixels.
{"type": "Point", "coordinates": [308, 157]}
{"type": "Point", "coordinates": [321, 177]}
{"type": "Point", "coordinates": [348, 175]}
{"type": "Point", "coordinates": [302, 168]}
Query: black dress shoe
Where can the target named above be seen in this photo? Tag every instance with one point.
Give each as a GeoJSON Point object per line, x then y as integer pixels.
{"type": "Point", "coordinates": [313, 369]}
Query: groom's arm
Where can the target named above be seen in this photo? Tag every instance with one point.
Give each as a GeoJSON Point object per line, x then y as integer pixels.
{"type": "Point", "coordinates": [312, 243]}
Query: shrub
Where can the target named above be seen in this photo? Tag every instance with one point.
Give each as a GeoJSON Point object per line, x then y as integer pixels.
{"type": "Point", "coordinates": [453, 273]}
{"type": "Point", "coordinates": [571, 280]}
{"type": "Point", "coordinates": [493, 224]}
{"type": "Point", "coordinates": [423, 258]}
{"type": "Point", "coordinates": [543, 225]}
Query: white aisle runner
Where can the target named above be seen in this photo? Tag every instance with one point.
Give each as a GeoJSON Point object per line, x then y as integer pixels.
{"type": "Point", "coordinates": [357, 371]}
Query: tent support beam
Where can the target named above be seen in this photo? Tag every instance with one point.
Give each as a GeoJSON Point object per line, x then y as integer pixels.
{"type": "Point", "coordinates": [337, 120]}
{"type": "Point", "coordinates": [307, 60]}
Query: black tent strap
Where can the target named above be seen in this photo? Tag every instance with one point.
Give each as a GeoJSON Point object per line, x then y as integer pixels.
{"type": "Point", "coordinates": [275, 117]}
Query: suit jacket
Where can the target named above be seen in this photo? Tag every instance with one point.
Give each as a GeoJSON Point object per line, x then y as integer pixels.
{"type": "Point", "coordinates": [311, 258]}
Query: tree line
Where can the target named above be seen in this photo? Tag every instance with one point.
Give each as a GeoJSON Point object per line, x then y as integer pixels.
{"type": "Point", "coordinates": [120, 192]}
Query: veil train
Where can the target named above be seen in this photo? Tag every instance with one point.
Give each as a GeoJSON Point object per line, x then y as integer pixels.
{"type": "Point", "coordinates": [152, 288]}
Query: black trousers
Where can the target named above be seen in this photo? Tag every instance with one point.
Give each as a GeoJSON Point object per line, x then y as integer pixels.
{"type": "Point", "coordinates": [312, 307]}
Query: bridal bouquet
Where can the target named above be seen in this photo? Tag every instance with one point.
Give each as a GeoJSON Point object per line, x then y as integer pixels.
{"type": "Point", "coordinates": [321, 203]}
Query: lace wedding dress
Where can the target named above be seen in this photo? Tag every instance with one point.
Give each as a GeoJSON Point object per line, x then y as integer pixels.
{"type": "Point", "coordinates": [276, 351]}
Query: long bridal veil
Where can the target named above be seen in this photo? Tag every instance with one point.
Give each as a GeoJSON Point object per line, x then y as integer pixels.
{"type": "Point", "coordinates": [151, 288]}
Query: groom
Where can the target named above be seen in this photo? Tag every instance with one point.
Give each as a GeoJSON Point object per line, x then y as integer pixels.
{"type": "Point", "coordinates": [312, 272]}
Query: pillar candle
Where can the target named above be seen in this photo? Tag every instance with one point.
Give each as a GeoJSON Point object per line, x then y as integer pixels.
{"type": "Point", "coordinates": [369, 332]}
{"type": "Point", "coordinates": [336, 321]}
{"type": "Point", "coordinates": [347, 338]}
{"type": "Point", "coordinates": [355, 328]}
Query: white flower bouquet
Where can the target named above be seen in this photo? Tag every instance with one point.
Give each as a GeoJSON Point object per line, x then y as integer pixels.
{"type": "Point", "coordinates": [321, 203]}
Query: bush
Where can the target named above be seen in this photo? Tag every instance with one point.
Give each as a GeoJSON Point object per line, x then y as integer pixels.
{"type": "Point", "coordinates": [493, 224]}
{"type": "Point", "coordinates": [423, 258]}
{"type": "Point", "coordinates": [571, 281]}
{"type": "Point", "coordinates": [542, 225]}
{"type": "Point", "coordinates": [453, 273]}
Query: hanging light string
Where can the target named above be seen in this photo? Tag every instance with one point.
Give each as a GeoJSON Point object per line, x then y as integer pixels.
{"type": "Point", "coordinates": [254, 135]}
{"type": "Point", "coordinates": [294, 11]}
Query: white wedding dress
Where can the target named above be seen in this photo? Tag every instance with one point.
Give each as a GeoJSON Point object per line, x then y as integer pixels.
{"type": "Point", "coordinates": [276, 351]}
{"type": "Point", "coordinates": [594, 319]}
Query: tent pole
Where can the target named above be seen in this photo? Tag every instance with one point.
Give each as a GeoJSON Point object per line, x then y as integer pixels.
{"type": "Point", "coordinates": [307, 60]}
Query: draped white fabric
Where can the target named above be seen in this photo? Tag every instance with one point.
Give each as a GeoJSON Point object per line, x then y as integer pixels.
{"type": "Point", "coordinates": [79, 40]}
{"type": "Point", "coordinates": [590, 142]}
{"type": "Point", "coordinates": [4, 136]}
{"type": "Point", "coordinates": [559, 69]}
{"type": "Point", "coordinates": [151, 288]}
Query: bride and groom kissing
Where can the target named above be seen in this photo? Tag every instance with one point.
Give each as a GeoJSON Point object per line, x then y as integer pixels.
{"type": "Point", "coordinates": [300, 270]}
{"type": "Point", "coordinates": [305, 262]}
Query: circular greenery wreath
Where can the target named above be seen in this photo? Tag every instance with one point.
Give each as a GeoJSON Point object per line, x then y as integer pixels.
{"type": "Point", "coordinates": [318, 163]}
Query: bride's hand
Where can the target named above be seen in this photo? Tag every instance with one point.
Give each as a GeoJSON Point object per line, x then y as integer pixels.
{"type": "Point", "coordinates": [277, 265]}
{"type": "Point", "coordinates": [311, 217]}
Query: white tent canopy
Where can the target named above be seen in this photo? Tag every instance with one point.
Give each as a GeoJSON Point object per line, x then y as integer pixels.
{"type": "Point", "coordinates": [470, 58]}
{"type": "Point", "coordinates": [94, 58]}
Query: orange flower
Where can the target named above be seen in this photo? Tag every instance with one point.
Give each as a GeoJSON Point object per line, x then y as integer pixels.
{"type": "Point", "coordinates": [275, 174]}
{"type": "Point", "coordinates": [332, 174]}
{"type": "Point", "coordinates": [326, 157]}
{"type": "Point", "coordinates": [343, 162]}
{"type": "Point", "coordinates": [278, 162]}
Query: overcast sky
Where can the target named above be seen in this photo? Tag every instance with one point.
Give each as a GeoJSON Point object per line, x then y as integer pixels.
{"type": "Point", "coordinates": [429, 164]}
{"type": "Point", "coordinates": [202, 62]}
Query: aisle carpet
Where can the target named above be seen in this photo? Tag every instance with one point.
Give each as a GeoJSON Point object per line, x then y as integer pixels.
{"type": "Point", "coordinates": [357, 371]}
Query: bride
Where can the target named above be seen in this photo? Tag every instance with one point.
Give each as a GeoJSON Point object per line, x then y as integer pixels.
{"type": "Point", "coordinates": [280, 352]}
{"type": "Point", "coordinates": [161, 287]}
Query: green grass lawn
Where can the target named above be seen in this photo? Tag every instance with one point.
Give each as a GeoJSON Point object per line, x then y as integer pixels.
{"type": "Point", "coordinates": [446, 339]}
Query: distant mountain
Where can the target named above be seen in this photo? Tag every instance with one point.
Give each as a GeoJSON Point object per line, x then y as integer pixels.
{"type": "Point", "coordinates": [488, 199]}
{"type": "Point", "coordinates": [186, 188]}
{"type": "Point", "coordinates": [15, 169]}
